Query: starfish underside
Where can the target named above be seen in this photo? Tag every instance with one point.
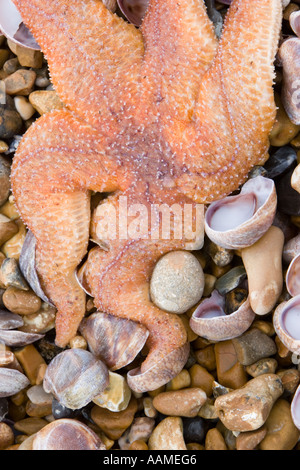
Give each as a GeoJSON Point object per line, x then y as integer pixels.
{"type": "Point", "coordinates": [160, 114]}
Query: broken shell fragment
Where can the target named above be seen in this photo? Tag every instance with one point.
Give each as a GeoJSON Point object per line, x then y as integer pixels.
{"type": "Point", "coordinates": [116, 341]}
{"type": "Point", "coordinates": [12, 26]}
{"type": "Point", "coordinates": [239, 221]}
{"type": "Point", "coordinates": [160, 373]}
{"type": "Point", "coordinates": [292, 279]}
{"type": "Point", "coordinates": [286, 321]}
{"type": "Point", "coordinates": [27, 266]}
{"type": "Point", "coordinates": [210, 321]}
{"type": "Point", "coordinates": [134, 10]}
{"type": "Point", "coordinates": [75, 377]}
{"type": "Point", "coordinates": [295, 408]}
{"type": "Point", "coordinates": [11, 382]}
{"type": "Point", "coordinates": [288, 54]}
{"type": "Point", "coordinates": [67, 434]}
{"type": "Point", "coordinates": [291, 249]}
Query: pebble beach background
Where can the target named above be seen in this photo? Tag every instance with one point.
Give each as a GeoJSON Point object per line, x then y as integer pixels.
{"type": "Point", "coordinates": [238, 392]}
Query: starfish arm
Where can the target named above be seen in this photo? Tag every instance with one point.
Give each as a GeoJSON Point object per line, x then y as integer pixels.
{"type": "Point", "coordinates": [90, 51]}
{"type": "Point", "coordinates": [57, 163]}
{"type": "Point", "coordinates": [180, 44]}
{"type": "Point", "coordinates": [236, 109]}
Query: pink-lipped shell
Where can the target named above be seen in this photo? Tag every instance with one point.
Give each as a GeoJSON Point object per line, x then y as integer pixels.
{"type": "Point", "coordinates": [293, 277]}
{"type": "Point", "coordinates": [134, 10]}
{"type": "Point", "coordinates": [116, 341]}
{"type": "Point", "coordinates": [210, 321]}
{"type": "Point", "coordinates": [239, 221]}
{"type": "Point", "coordinates": [12, 26]}
{"type": "Point", "coordinates": [295, 408]}
{"type": "Point", "coordinates": [286, 321]}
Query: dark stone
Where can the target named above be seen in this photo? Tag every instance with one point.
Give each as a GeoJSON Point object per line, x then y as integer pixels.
{"type": "Point", "coordinates": [230, 280]}
{"type": "Point", "coordinates": [59, 411]}
{"type": "Point", "coordinates": [280, 161]}
{"type": "Point", "coordinates": [194, 429]}
{"type": "Point", "coordinates": [11, 122]}
{"type": "Point", "coordinates": [288, 198]}
{"type": "Point", "coordinates": [234, 299]}
{"type": "Point", "coordinates": [47, 347]}
{"type": "Point", "coordinates": [3, 408]}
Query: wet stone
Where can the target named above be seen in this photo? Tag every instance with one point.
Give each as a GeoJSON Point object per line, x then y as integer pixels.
{"type": "Point", "coordinates": [263, 366]}
{"type": "Point", "coordinates": [60, 411]}
{"type": "Point", "coordinates": [194, 429]}
{"type": "Point", "coordinates": [230, 280]}
{"type": "Point", "coordinates": [280, 161]}
{"type": "Point", "coordinates": [288, 198]}
{"type": "Point", "coordinates": [253, 346]}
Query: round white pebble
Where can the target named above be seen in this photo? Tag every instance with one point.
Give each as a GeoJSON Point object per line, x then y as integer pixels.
{"type": "Point", "coordinates": [177, 282]}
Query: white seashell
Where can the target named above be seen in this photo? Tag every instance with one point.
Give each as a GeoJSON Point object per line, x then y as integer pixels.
{"type": "Point", "coordinates": [292, 278]}
{"type": "Point", "coordinates": [286, 321]}
{"type": "Point", "coordinates": [12, 26]}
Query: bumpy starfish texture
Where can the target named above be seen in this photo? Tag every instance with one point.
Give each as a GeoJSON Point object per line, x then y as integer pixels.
{"type": "Point", "coordinates": [161, 114]}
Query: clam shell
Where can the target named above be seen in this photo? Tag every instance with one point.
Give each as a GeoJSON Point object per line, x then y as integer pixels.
{"type": "Point", "coordinates": [286, 321]}
{"type": "Point", "coordinates": [18, 339]}
{"type": "Point", "coordinates": [67, 434]}
{"type": "Point", "coordinates": [9, 321]}
{"type": "Point", "coordinates": [295, 22]}
{"type": "Point", "coordinates": [27, 266]}
{"type": "Point", "coordinates": [12, 26]}
{"type": "Point", "coordinates": [295, 408]}
{"type": "Point", "coordinates": [134, 10]}
{"type": "Point", "coordinates": [160, 373]}
{"type": "Point", "coordinates": [291, 249]}
{"type": "Point", "coordinates": [116, 341]}
{"type": "Point", "coordinates": [11, 382]}
{"type": "Point", "coordinates": [289, 56]}
{"type": "Point", "coordinates": [210, 321]}
{"type": "Point", "coordinates": [75, 377]}
{"type": "Point", "coordinates": [239, 221]}
{"type": "Point", "coordinates": [292, 278]}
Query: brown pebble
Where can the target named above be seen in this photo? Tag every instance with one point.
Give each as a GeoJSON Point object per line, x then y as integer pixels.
{"type": "Point", "coordinates": [214, 440]}
{"type": "Point", "coordinates": [182, 380]}
{"type": "Point", "coordinates": [194, 446]}
{"type": "Point", "coordinates": [38, 411]}
{"type": "Point", "coordinates": [230, 371]}
{"type": "Point", "coordinates": [138, 445]}
{"type": "Point", "coordinates": [201, 378]}
{"type": "Point", "coordinates": [247, 408]}
{"type": "Point", "coordinates": [7, 228]}
{"type": "Point", "coordinates": [30, 425]}
{"type": "Point", "coordinates": [114, 424]}
{"type": "Point", "coordinates": [45, 101]}
{"type": "Point", "coordinates": [263, 366]}
{"type": "Point", "coordinates": [21, 302]}
{"type": "Point", "coordinates": [282, 433]}
{"type": "Point", "coordinates": [168, 435]}
{"type": "Point", "coordinates": [31, 361]}
{"type": "Point", "coordinates": [20, 82]}
{"type": "Point", "coordinates": [253, 346]}
{"type": "Point", "coordinates": [206, 357]}
{"type": "Point", "coordinates": [290, 379]}
{"type": "Point", "coordinates": [250, 440]}
{"type": "Point", "coordinates": [186, 402]}
{"type": "Point", "coordinates": [6, 436]}
{"type": "Point", "coordinates": [29, 57]}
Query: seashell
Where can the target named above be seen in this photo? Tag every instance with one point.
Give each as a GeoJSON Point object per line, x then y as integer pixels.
{"type": "Point", "coordinates": [161, 372]}
{"type": "Point", "coordinates": [289, 56]}
{"type": "Point", "coordinates": [239, 221]}
{"type": "Point", "coordinates": [292, 278]}
{"type": "Point", "coordinates": [287, 325]}
{"type": "Point", "coordinates": [12, 26]}
{"type": "Point", "coordinates": [295, 408]}
{"type": "Point", "coordinates": [9, 321]}
{"type": "Point", "coordinates": [81, 279]}
{"type": "Point", "coordinates": [67, 434]}
{"type": "Point", "coordinates": [295, 22]}
{"type": "Point", "coordinates": [116, 341]}
{"type": "Point", "coordinates": [291, 249]}
{"type": "Point", "coordinates": [27, 266]}
{"type": "Point", "coordinates": [18, 339]}
{"type": "Point", "coordinates": [11, 382]}
{"type": "Point", "coordinates": [134, 10]}
{"type": "Point", "coordinates": [75, 377]}
{"type": "Point", "coordinates": [210, 321]}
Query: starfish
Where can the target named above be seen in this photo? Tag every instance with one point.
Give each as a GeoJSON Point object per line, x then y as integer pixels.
{"type": "Point", "coordinates": [161, 114]}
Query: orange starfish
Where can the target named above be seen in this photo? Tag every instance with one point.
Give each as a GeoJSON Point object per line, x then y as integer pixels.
{"type": "Point", "coordinates": [161, 114]}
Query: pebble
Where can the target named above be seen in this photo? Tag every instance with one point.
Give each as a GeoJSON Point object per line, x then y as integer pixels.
{"type": "Point", "coordinates": [21, 301]}
{"type": "Point", "coordinates": [168, 435]}
{"type": "Point", "coordinates": [24, 107]}
{"type": "Point", "coordinates": [252, 346]}
{"type": "Point", "coordinates": [140, 430]}
{"type": "Point", "coordinates": [4, 175]}
{"type": "Point", "coordinates": [201, 378]}
{"type": "Point", "coordinates": [7, 228]}
{"type": "Point", "coordinates": [31, 361]}
{"type": "Point", "coordinates": [114, 424]}
{"type": "Point", "coordinates": [280, 161]}
{"type": "Point", "coordinates": [177, 282]}
{"type": "Point", "coordinates": [288, 197]}
{"type": "Point", "coordinates": [263, 366]}
{"type": "Point", "coordinates": [40, 322]}
{"type": "Point", "coordinates": [38, 410]}
{"type": "Point", "coordinates": [263, 265]}
{"type": "Point", "coordinates": [230, 280]}
{"type": "Point", "coordinates": [45, 101]}
{"type": "Point", "coordinates": [283, 130]}
{"type": "Point", "coordinates": [186, 402]}
{"type": "Point", "coordinates": [290, 379]}
{"type": "Point", "coordinates": [11, 276]}
{"type": "Point", "coordinates": [29, 57]}
{"type": "Point", "coordinates": [11, 65]}
{"type": "Point", "coordinates": [12, 248]}
{"type": "Point", "coordinates": [7, 437]}
{"type": "Point", "coordinates": [206, 357]}
{"type": "Point", "coordinates": [3, 408]}
{"type": "Point", "coordinates": [138, 445]}
{"type": "Point", "coordinates": [149, 409]}
{"type": "Point", "coordinates": [248, 408]}
{"type": "Point", "coordinates": [221, 256]}
{"type": "Point", "coordinates": [234, 299]}
{"type": "Point", "coordinates": [230, 371]}
{"type": "Point", "coordinates": [214, 440]}
{"type": "Point", "coordinates": [194, 429]}
{"type": "Point", "coordinates": [4, 55]}
{"type": "Point", "coordinates": [282, 433]}
{"type": "Point", "coordinates": [116, 396]}
{"type": "Point", "coordinates": [208, 411]}
{"type": "Point", "coordinates": [30, 425]}
{"type": "Point", "coordinates": [38, 396]}
{"type": "Point", "coordinates": [251, 439]}
{"type": "Point", "coordinates": [20, 82]}
{"type": "Point", "coordinates": [182, 380]}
